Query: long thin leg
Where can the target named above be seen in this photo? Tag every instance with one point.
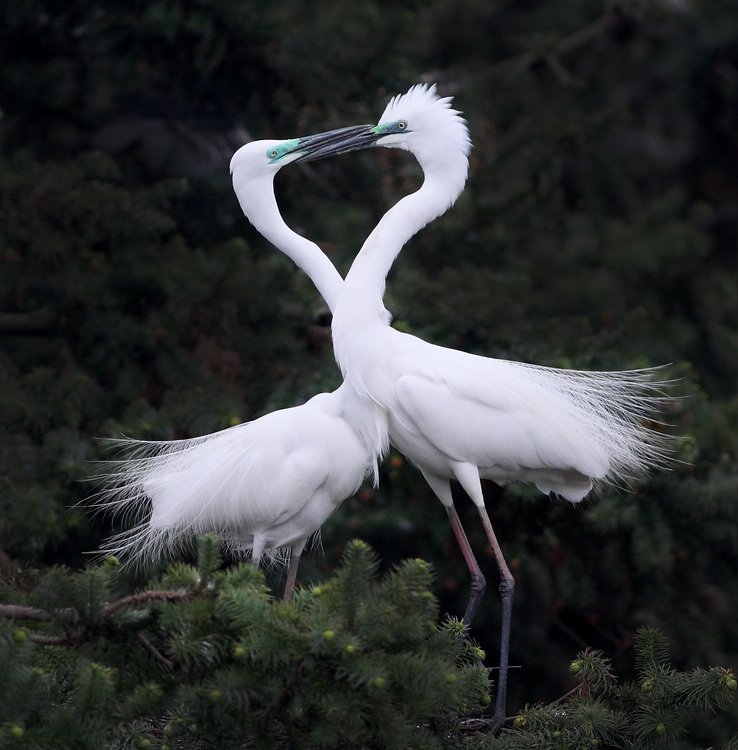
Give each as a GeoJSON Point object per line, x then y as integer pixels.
{"type": "Point", "coordinates": [468, 475]}
{"type": "Point", "coordinates": [478, 582]}
{"type": "Point", "coordinates": [507, 589]}
{"type": "Point", "coordinates": [442, 488]}
{"type": "Point", "coordinates": [289, 586]}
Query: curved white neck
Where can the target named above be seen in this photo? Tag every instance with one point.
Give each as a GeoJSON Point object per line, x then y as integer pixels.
{"type": "Point", "coordinates": [363, 288]}
{"type": "Point", "coordinates": [262, 211]}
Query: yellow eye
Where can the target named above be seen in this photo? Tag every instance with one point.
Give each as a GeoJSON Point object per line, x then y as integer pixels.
{"type": "Point", "coordinates": [273, 153]}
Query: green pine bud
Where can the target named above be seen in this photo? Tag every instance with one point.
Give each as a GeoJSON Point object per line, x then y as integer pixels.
{"type": "Point", "coordinates": [329, 635]}
{"type": "Point", "coordinates": [214, 695]}
{"type": "Point", "coordinates": [239, 651]}
{"type": "Point", "coordinates": [730, 681]}
{"type": "Point", "coordinates": [317, 591]}
{"type": "Point", "coordinates": [20, 636]}
{"type": "Point", "coordinates": [16, 732]}
{"type": "Point", "coordinates": [350, 648]}
{"type": "Point", "coordinates": [144, 744]}
{"type": "Point", "coordinates": [450, 679]}
{"type": "Point", "coordinates": [576, 666]}
{"type": "Point", "coordinates": [647, 686]}
{"type": "Point", "coordinates": [660, 728]}
{"type": "Point", "coordinates": [379, 682]}
{"type": "Point", "coordinates": [486, 700]}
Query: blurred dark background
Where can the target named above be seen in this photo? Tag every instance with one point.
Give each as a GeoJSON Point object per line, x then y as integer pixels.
{"type": "Point", "coordinates": [597, 230]}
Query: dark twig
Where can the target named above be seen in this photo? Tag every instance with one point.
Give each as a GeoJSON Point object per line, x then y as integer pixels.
{"type": "Point", "coordinates": [149, 646]}
{"type": "Point", "coordinates": [517, 64]}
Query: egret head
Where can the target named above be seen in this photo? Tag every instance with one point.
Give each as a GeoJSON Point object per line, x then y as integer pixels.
{"type": "Point", "coordinates": [420, 118]}
{"type": "Point", "coordinates": [426, 125]}
{"type": "Point", "coordinates": [255, 165]}
{"type": "Point", "coordinates": [420, 122]}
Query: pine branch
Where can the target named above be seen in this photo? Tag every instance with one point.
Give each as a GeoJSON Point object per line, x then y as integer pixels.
{"type": "Point", "coordinates": [144, 598]}
{"type": "Point", "coordinates": [20, 612]}
{"type": "Point", "coordinates": [78, 635]}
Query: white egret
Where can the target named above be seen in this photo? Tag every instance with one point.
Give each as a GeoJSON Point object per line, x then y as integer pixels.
{"type": "Point", "coordinates": [262, 486]}
{"type": "Point", "coordinates": [265, 485]}
{"type": "Point", "coordinates": [466, 417]}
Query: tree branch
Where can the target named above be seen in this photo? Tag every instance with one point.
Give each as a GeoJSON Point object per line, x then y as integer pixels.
{"type": "Point", "coordinates": [19, 612]}
{"type": "Point", "coordinates": [142, 599]}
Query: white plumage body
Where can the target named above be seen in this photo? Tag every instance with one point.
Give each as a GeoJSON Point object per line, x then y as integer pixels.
{"type": "Point", "coordinates": [261, 485]}
{"type": "Point", "coordinates": [559, 429]}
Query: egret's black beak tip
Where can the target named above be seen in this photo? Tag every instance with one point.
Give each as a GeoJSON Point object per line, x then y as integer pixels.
{"type": "Point", "coordinates": [335, 142]}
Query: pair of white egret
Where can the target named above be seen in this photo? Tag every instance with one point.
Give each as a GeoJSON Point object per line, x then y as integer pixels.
{"type": "Point", "coordinates": [270, 484]}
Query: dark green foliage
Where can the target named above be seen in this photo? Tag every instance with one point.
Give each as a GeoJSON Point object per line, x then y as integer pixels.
{"type": "Point", "coordinates": [206, 658]}
{"type": "Point", "coordinates": [656, 710]}
{"type": "Point", "coordinates": [51, 700]}
{"type": "Point", "coordinates": [597, 230]}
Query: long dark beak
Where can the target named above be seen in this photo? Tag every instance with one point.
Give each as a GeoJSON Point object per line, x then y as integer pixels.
{"type": "Point", "coordinates": [334, 142]}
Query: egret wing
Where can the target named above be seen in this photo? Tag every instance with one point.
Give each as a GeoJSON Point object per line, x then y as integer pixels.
{"type": "Point", "coordinates": [496, 415]}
